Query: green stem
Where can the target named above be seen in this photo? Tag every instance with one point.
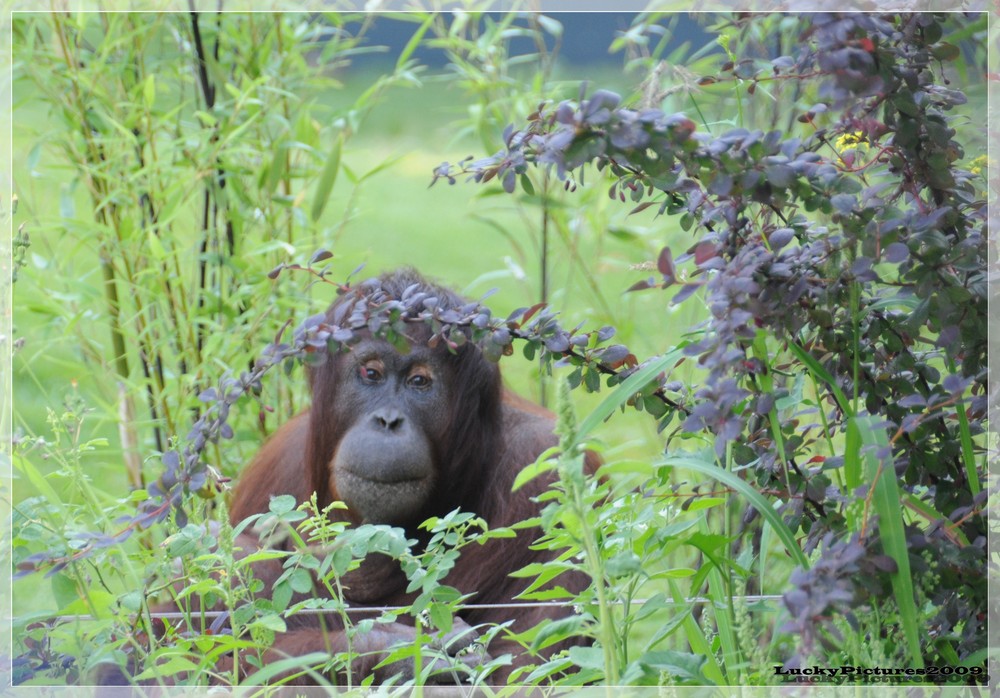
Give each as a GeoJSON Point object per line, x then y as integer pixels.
{"type": "Point", "coordinates": [767, 385]}
{"type": "Point", "coordinates": [968, 453]}
{"type": "Point", "coordinates": [838, 472]}
{"type": "Point", "coordinates": [606, 627]}
{"type": "Point", "coordinates": [856, 343]}
{"type": "Point", "coordinates": [543, 273]}
{"type": "Point", "coordinates": [111, 298]}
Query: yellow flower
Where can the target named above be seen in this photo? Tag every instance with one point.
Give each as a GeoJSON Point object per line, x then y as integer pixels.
{"type": "Point", "coordinates": [848, 140]}
{"type": "Point", "coordinates": [977, 164]}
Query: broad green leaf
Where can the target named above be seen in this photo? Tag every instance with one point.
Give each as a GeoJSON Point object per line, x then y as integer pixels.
{"type": "Point", "coordinates": [282, 504]}
{"type": "Point", "coordinates": [63, 590]}
{"type": "Point", "coordinates": [271, 621]}
{"type": "Point", "coordinates": [281, 595]}
{"type": "Point", "coordinates": [587, 657]}
{"type": "Point", "coordinates": [301, 581]}
{"type": "Point", "coordinates": [554, 631]}
{"type": "Point", "coordinates": [543, 464]}
{"type": "Point", "coordinates": [704, 503]}
{"type": "Point", "coordinates": [96, 603]}
{"type": "Point", "coordinates": [174, 665]}
{"type": "Point", "coordinates": [441, 616]}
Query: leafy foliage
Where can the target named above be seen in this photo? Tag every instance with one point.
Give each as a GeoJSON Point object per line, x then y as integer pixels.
{"type": "Point", "coordinates": [868, 276]}
{"type": "Point", "coordinates": [840, 387]}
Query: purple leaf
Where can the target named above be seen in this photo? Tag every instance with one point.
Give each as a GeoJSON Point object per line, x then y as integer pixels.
{"type": "Point", "coordinates": [896, 253]}
{"type": "Point", "coordinates": [780, 237]}
{"type": "Point", "coordinates": [320, 255]}
{"type": "Point", "coordinates": [686, 292]}
{"type": "Point", "coordinates": [641, 285]}
{"type": "Point", "coordinates": [665, 265]}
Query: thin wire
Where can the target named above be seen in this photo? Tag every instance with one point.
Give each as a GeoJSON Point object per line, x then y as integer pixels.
{"type": "Point", "coordinates": [177, 615]}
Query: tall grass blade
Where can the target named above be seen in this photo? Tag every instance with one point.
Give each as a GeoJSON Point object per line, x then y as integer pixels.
{"type": "Point", "coordinates": [756, 499]}
{"type": "Point", "coordinates": [852, 457]}
{"type": "Point", "coordinates": [890, 525]}
{"type": "Point", "coordinates": [722, 607]}
{"type": "Point", "coordinates": [816, 368]}
{"type": "Point", "coordinates": [620, 395]}
{"type": "Point", "coordinates": [696, 638]}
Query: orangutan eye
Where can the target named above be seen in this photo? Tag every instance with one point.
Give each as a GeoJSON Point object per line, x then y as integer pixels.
{"type": "Point", "coordinates": [421, 381]}
{"type": "Point", "coordinates": [371, 371]}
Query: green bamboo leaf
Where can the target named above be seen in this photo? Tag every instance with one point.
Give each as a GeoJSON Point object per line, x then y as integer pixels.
{"type": "Point", "coordinates": [765, 546]}
{"type": "Point", "coordinates": [552, 26]}
{"type": "Point", "coordinates": [149, 90]}
{"type": "Point", "coordinates": [234, 135]}
{"type": "Point", "coordinates": [756, 499]}
{"type": "Point", "coordinates": [33, 156]}
{"type": "Point", "coordinates": [381, 167]}
{"type": "Point", "coordinates": [67, 207]}
{"type": "Point", "coordinates": [327, 179]}
{"type": "Point", "coordinates": [276, 171]}
{"type": "Point", "coordinates": [156, 248]}
{"type": "Point", "coordinates": [891, 532]}
{"type": "Point", "coordinates": [896, 302]}
{"type": "Point", "coordinates": [720, 590]}
{"type": "Point", "coordinates": [206, 118]}
{"type": "Point", "coordinates": [414, 41]}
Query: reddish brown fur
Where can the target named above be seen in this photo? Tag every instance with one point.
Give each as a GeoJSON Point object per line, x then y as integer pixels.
{"type": "Point", "coordinates": [483, 570]}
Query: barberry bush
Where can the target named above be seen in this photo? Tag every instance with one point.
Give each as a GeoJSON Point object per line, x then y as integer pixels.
{"type": "Point", "coordinates": [843, 264]}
